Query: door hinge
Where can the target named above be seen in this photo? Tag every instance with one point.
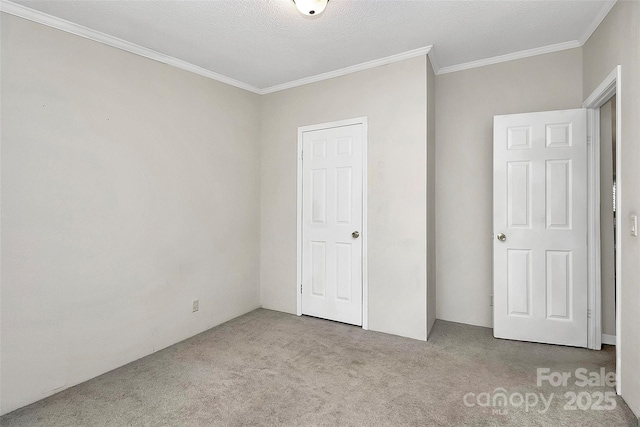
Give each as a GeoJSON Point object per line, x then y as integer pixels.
{"type": "Point", "coordinates": [588, 313]}
{"type": "Point", "coordinates": [300, 287]}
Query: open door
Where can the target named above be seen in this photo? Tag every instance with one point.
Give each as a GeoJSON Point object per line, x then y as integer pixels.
{"type": "Point", "coordinates": [540, 227]}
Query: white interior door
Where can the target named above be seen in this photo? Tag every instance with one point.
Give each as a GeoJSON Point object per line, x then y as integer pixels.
{"type": "Point", "coordinates": [540, 227]}
{"type": "Point", "coordinates": [331, 223]}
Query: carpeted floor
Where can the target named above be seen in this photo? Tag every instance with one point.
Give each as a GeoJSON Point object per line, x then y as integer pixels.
{"type": "Point", "coordinates": [269, 368]}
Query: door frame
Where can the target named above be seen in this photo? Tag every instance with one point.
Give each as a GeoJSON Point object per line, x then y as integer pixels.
{"type": "Point", "coordinates": [611, 85]}
{"type": "Point", "coordinates": [365, 279]}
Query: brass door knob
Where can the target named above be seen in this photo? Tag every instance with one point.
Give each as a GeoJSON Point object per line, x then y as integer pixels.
{"type": "Point", "coordinates": [355, 234]}
{"type": "Point", "coordinates": [501, 237]}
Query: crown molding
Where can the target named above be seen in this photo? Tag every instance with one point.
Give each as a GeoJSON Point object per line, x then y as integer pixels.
{"type": "Point", "coordinates": [597, 21]}
{"type": "Point", "coordinates": [434, 61]}
{"type": "Point", "coordinates": [510, 57]}
{"type": "Point", "coordinates": [79, 30]}
{"type": "Point", "coordinates": [61, 24]}
{"type": "Point", "coordinates": [606, 8]}
{"type": "Point", "coordinates": [348, 70]}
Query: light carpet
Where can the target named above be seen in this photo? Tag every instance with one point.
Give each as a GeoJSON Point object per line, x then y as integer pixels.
{"type": "Point", "coordinates": [275, 369]}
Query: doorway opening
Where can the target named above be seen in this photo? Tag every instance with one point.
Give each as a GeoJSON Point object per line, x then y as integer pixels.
{"type": "Point", "coordinates": [609, 95]}
{"type": "Point", "coordinates": [608, 219]}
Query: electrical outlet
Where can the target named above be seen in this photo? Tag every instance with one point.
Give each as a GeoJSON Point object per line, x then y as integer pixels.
{"type": "Point", "coordinates": [195, 305]}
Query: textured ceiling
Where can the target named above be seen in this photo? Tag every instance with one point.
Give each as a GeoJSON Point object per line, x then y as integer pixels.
{"type": "Point", "coordinates": [265, 43]}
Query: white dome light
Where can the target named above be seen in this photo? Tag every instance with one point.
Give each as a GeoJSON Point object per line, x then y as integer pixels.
{"type": "Point", "coordinates": [311, 7]}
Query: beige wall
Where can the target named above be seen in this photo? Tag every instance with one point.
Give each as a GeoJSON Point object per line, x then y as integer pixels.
{"type": "Point", "coordinates": [431, 197]}
{"type": "Point", "coordinates": [129, 188]}
{"type": "Point", "coordinates": [466, 103]}
{"type": "Point", "coordinates": [616, 42]}
{"type": "Point", "coordinates": [393, 97]}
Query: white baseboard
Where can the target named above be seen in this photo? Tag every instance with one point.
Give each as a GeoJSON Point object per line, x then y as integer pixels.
{"type": "Point", "coordinates": [608, 339]}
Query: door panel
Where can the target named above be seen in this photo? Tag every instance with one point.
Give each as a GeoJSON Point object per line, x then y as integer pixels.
{"type": "Point", "coordinates": [331, 211]}
{"type": "Point", "coordinates": [559, 200]}
{"type": "Point", "coordinates": [318, 268]}
{"type": "Point", "coordinates": [519, 194]}
{"type": "Point", "coordinates": [519, 282]}
{"type": "Point", "coordinates": [540, 205]}
{"type": "Point", "coordinates": [559, 286]}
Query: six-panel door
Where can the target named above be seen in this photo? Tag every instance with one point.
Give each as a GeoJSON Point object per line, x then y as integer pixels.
{"type": "Point", "coordinates": [540, 205]}
{"type": "Point", "coordinates": [332, 220]}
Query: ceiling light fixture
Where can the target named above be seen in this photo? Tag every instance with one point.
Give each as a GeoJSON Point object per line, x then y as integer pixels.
{"type": "Point", "coordinates": [311, 7]}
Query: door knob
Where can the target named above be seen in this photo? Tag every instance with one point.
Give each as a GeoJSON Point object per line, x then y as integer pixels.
{"type": "Point", "coordinates": [355, 234]}
{"type": "Point", "coordinates": [501, 237]}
